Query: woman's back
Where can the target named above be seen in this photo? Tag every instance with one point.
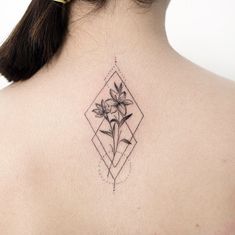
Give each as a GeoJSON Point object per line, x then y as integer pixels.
{"type": "Point", "coordinates": [177, 178]}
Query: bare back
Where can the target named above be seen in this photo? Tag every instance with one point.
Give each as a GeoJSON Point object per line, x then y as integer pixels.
{"type": "Point", "coordinates": [179, 179]}
{"type": "Point", "coordinates": [118, 134]}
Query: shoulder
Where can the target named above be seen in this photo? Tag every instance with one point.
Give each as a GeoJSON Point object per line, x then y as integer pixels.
{"type": "Point", "coordinates": [217, 95]}
{"type": "Point", "coordinates": [214, 96]}
{"type": "Point", "coordinates": [210, 103]}
{"type": "Point", "coordinates": [210, 93]}
{"type": "Point", "coordinates": [202, 106]}
{"type": "Point", "coordinates": [205, 113]}
{"type": "Point", "coordinates": [12, 107]}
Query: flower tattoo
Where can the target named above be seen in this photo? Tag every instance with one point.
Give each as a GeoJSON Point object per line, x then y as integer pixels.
{"type": "Point", "coordinates": [102, 110]}
{"type": "Point", "coordinates": [118, 102]}
{"type": "Point", "coordinates": [114, 116]}
{"type": "Point", "coordinates": [114, 110]}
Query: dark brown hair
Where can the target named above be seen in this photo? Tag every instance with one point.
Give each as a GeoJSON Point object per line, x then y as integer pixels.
{"type": "Point", "coordinates": [37, 37]}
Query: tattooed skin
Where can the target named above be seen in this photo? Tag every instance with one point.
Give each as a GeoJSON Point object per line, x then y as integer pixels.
{"type": "Point", "coordinates": [114, 117]}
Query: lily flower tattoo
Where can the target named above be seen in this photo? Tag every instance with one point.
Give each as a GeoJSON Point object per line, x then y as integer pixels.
{"type": "Point", "coordinates": [118, 100]}
{"type": "Point", "coordinates": [114, 117]}
{"type": "Point", "coordinates": [114, 110]}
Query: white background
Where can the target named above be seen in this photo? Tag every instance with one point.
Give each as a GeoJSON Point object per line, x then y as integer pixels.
{"type": "Point", "coordinates": [201, 30]}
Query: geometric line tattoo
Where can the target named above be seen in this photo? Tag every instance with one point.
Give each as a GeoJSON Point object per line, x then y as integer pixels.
{"type": "Point", "coordinates": [114, 117]}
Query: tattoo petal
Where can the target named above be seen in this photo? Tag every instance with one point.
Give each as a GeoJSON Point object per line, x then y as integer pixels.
{"type": "Point", "coordinates": [122, 109]}
{"type": "Point", "coordinates": [116, 87]}
{"type": "Point", "coordinates": [113, 105]}
{"type": "Point", "coordinates": [120, 87]}
{"type": "Point", "coordinates": [122, 97]}
{"type": "Point", "coordinates": [113, 94]}
{"type": "Point", "coordinates": [128, 102]}
{"type": "Point", "coordinates": [97, 111]}
{"type": "Point", "coordinates": [98, 106]}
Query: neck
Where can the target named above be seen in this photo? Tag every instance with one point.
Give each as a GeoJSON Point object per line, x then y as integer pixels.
{"type": "Point", "coordinates": [120, 29]}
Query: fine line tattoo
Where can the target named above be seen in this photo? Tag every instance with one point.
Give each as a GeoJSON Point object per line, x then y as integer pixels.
{"type": "Point", "coordinates": [114, 116]}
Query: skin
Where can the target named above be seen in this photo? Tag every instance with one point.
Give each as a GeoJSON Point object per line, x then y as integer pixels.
{"type": "Point", "coordinates": [183, 169]}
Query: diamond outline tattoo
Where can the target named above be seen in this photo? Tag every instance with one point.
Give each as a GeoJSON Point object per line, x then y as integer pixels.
{"type": "Point", "coordinates": [114, 117]}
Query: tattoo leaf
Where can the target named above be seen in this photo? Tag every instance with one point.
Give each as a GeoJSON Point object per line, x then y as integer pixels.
{"type": "Point", "coordinates": [125, 141]}
{"type": "Point", "coordinates": [124, 119]}
{"type": "Point", "coordinates": [114, 120]}
{"type": "Point", "coordinates": [109, 133]}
